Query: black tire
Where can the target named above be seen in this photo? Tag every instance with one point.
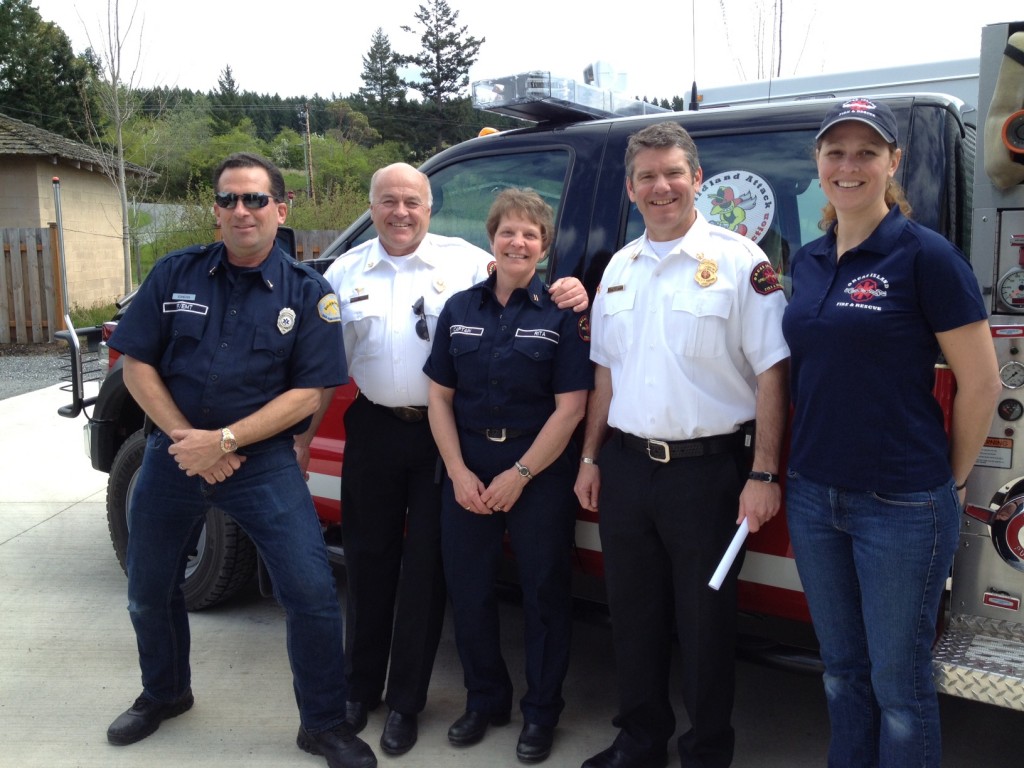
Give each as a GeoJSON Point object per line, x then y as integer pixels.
{"type": "Point", "coordinates": [225, 558]}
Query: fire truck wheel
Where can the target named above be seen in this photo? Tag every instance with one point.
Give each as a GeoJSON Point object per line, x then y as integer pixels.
{"type": "Point", "coordinates": [224, 560]}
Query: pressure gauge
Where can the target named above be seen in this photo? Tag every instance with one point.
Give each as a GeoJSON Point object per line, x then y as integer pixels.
{"type": "Point", "coordinates": [1011, 289]}
{"type": "Point", "coordinates": [1012, 375]}
{"type": "Point", "coordinates": [1010, 410]}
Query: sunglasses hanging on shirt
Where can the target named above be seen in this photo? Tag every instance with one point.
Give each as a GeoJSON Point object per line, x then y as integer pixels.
{"type": "Point", "coordinates": [421, 322]}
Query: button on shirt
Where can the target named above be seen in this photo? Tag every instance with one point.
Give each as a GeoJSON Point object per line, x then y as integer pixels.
{"type": "Point", "coordinates": [863, 331]}
{"type": "Point", "coordinates": [377, 291]}
{"type": "Point", "coordinates": [227, 340]}
{"type": "Point", "coordinates": [506, 364]}
{"type": "Point", "coordinates": [684, 357]}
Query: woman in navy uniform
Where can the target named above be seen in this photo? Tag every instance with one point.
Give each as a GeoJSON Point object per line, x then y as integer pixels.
{"type": "Point", "coordinates": [873, 497]}
{"type": "Point", "coordinates": [509, 380]}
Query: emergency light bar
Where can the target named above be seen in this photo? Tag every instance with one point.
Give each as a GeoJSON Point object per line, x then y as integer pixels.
{"type": "Point", "coordinates": [539, 97]}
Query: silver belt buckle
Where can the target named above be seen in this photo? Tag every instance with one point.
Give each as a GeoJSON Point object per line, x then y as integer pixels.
{"type": "Point", "coordinates": [665, 450]}
{"type": "Point", "coordinates": [495, 435]}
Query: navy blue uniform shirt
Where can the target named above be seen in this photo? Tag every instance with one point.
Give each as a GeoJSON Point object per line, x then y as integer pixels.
{"type": "Point", "coordinates": [862, 337]}
{"type": "Point", "coordinates": [228, 340]}
{"type": "Point", "coordinates": [506, 364]}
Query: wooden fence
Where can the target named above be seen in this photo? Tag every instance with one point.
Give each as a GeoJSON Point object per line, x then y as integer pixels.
{"type": "Point", "coordinates": [31, 303]}
{"type": "Point", "coordinates": [310, 243]}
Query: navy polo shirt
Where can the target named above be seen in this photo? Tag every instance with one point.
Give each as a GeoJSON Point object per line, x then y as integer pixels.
{"type": "Point", "coordinates": [862, 337]}
{"type": "Point", "coordinates": [228, 340]}
{"type": "Point", "coordinates": [506, 364]}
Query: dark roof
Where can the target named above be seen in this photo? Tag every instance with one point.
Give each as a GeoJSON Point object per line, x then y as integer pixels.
{"type": "Point", "coordinates": [24, 139]}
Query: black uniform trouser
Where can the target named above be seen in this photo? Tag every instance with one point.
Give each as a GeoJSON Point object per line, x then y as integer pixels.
{"type": "Point", "coordinates": [540, 526]}
{"type": "Point", "coordinates": [664, 529]}
{"type": "Point", "coordinates": [391, 509]}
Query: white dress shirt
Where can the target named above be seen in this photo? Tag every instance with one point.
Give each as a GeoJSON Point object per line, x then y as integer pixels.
{"type": "Point", "coordinates": [376, 293]}
{"type": "Point", "coordinates": [684, 357]}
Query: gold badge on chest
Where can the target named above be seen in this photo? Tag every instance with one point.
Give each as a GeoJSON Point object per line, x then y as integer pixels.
{"type": "Point", "coordinates": [707, 271]}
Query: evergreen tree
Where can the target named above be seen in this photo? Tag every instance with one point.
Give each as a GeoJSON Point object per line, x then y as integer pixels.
{"type": "Point", "coordinates": [444, 60]}
{"type": "Point", "coordinates": [382, 85]}
{"type": "Point", "coordinates": [227, 103]}
{"type": "Point", "coordinates": [41, 79]}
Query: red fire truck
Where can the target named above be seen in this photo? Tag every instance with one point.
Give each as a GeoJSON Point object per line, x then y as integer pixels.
{"type": "Point", "coordinates": [963, 169]}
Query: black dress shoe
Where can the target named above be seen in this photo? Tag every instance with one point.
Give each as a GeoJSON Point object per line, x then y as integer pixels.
{"type": "Point", "coordinates": [535, 743]}
{"type": "Point", "coordinates": [144, 718]}
{"type": "Point", "coordinates": [472, 726]}
{"type": "Point", "coordinates": [356, 714]}
{"type": "Point", "coordinates": [399, 733]}
{"type": "Point", "coordinates": [615, 757]}
{"type": "Point", "coordinates": [341, 747]}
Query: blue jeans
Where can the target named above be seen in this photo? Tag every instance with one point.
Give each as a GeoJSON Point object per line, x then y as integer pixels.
{"type": "Point", "coordinates": [269, 499]}
{"type": "Point", "coordinates": [873, 566]}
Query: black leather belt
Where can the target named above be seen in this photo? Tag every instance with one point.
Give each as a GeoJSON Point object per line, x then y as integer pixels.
{"type": "Point", "coordinates": [501, 435]}
{"type": "Point", "coordinates": [407, 413]}
{"type": "Point", "coordinates": [664, 451]}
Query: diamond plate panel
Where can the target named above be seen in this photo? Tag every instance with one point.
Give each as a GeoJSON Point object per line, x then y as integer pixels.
{"type": "Point", "coordinates": [982, 660]}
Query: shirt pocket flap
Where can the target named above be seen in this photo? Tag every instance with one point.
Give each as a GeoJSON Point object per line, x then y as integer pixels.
{"type": "Point", "coordinates": [704, 304]}
{"type": "Point", "coordinates": [618, 301]}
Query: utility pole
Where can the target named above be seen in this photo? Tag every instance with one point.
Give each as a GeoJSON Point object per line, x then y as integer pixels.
{"type": "Point", "coordinates": [309, 156]}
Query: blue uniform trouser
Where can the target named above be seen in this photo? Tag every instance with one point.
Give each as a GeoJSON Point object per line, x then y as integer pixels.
{"type": "Point", "coordinates": [540, 527]}
{"type": "Point", "coordinates": [269, 499]}
{"type": "Point", "coordinates": [664, 529]}
{"type": "Point", "coordinates": [873, 566]}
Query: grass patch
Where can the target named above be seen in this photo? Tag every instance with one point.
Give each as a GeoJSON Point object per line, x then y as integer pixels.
{"type": "Point", "coordinates": [83, 317]}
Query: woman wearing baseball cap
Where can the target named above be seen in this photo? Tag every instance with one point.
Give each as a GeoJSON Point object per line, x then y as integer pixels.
{"type": "Point", "coordinates": [874, 485]}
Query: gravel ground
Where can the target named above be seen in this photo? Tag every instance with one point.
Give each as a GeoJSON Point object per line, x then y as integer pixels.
{"type": "Point", "coordinates": [28, 367]}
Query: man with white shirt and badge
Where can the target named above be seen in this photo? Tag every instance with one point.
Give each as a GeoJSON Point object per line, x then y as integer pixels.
{"type": "Point", "coordinates": [391, 290]}
{"type": "Point", "coordinates": [686, 334]}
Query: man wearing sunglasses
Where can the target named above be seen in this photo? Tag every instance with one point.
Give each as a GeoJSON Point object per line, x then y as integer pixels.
{"type": "Point", "coordinates": [391, 290]}
{"type": "Point", "coordinates": [229, 349]}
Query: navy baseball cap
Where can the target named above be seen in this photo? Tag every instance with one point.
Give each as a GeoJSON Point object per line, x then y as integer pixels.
{"type": "Point", "coordinates": [878, 116]}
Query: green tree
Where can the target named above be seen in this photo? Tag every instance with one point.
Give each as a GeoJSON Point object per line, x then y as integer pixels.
{"type": "Point", "coordinates": [381, 84]}
{"type": "Point", "coordinates": [41, 79]}
{"type": "Point", "coordinates": [447, 53]}
{"type": "Point", "coordinates": [351, 125]}
{"type": "Point", "coordinates": [226, 102]}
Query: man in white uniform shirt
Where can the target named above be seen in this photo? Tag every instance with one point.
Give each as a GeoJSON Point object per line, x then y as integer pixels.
{"type": "Point", "coordinates": [687, 339]}
{"type": "Point", "coordinates": [391, 290]}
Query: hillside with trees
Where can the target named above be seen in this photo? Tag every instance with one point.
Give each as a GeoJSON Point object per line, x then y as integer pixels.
{"type": "Point", "coordinates": [182, 134]}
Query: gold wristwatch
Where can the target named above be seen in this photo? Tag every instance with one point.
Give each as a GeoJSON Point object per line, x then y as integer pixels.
{"type": "Point", "coordinates": [228, 444]}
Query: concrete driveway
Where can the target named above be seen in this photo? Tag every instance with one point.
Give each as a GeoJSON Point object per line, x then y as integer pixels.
{"type": "Point", "coordinates": [68, 659]}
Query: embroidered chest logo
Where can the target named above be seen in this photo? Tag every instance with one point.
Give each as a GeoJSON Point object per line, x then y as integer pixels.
{"type": "Point", "coordinates": [864, 292]}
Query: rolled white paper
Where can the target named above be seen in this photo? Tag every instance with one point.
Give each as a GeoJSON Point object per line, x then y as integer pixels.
{"type": "Point", "coordinates": [730, 555]}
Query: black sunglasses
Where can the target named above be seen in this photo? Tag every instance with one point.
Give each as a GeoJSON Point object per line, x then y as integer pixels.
{"type": "Point", "coordinates": [251, 200]}
{"type": "Point", "coordinates": [421, 323]}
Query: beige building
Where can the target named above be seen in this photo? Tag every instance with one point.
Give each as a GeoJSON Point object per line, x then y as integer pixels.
{"type": "Point", "coordinates": [30, 158]}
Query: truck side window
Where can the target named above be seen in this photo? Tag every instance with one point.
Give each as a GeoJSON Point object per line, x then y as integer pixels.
{"type": "Point", "coordinates": [763, 186]}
